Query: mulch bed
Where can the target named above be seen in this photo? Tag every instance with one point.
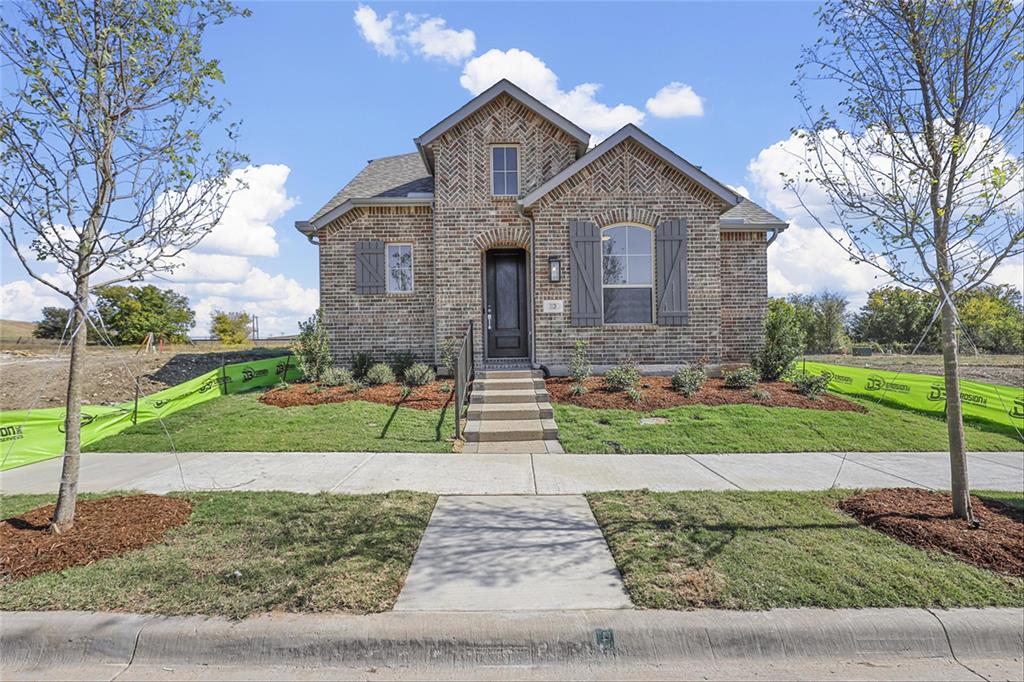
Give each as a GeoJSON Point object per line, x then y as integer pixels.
{"type": "Point", "coordinates": [432, 396]}
{"type": "Point", "coordinates": [924, 519]}
{"type": "Point", "coordinates": [658, 394]}
{"type": "Point", "coordinates": [103, 528]}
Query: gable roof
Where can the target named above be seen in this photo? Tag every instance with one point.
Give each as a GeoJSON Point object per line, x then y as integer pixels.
{"type": "Point", "coordinates": [502, 87]}
{"type": "Point", "coordinates": [747, 215]}
{"type": "Point", "coordinates": [631, 132]}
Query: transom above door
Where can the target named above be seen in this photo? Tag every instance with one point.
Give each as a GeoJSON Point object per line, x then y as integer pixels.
{"type": "Point", "coordinates": [505, 318]}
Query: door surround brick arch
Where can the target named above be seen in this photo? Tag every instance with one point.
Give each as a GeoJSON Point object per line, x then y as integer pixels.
{"type": "Point", "coordinates": [506, 236]}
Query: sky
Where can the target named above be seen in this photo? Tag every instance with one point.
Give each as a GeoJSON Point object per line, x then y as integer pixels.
{"type": "Point", "coordinates": [321, 88]}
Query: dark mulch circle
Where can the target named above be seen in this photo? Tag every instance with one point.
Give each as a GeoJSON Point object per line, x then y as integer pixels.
{"type": "Point", "coordinates": [658, 394]}
{"type": "Point", "coordinates": [432, 396]}
{"type": "Point", "coordinates": [103, 528]}
{"type": "Point", "coordinates": [924, 519]}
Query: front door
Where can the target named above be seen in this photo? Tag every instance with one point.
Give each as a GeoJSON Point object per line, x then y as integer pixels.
{"type": "Point", "coordinates": [505, 316]}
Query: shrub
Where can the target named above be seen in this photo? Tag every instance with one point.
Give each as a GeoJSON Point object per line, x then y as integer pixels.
{"type": "Point", "coordinates": [401, 361]}
{"type": "Point", "coordinates": [336, 376]}
{"type": "Point", "coordinates": [419, 374]}
{"type": "Point", "coordinates": [688, 380]}
{"type": "Point", "coordinates": [231, 329]}
{"type": "Point", "coordinates": [783, 341]}
{"type": "Point", "coordinates": [361, 364]}
{"type": "Point", "coordinates": [758, 393]}
{"type": "Point", "coordinates": [744, 377]}
{"type": "Point", "coordinates": [579, 367]}
{"type": "Point", "coordinates": [449, 355]}
{"type": "Point", "coordinates": [312, 354]}
{"type": "Point", "coordinates": [810, 385]}
{"type": "Point", "coordinates": [622, 378]}
{"type": "Point", "coordinates": [635, 394]}
{"type": "Point", "coordinates": [379, 374]}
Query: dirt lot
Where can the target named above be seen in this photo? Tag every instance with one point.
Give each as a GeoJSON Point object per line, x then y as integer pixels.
{"type": "Point", "coordinates": [33, 376]}
{"type": "Point", "coordinates": [1007, 370]}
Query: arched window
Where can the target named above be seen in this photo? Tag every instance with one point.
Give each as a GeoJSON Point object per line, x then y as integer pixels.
{"type": "Point", "coordinates": [627, 267]}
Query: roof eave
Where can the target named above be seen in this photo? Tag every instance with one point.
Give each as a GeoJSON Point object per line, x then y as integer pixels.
{"type": "Point", "coordinates": [752, 227]}
{"type": "Point", "coordinates": [309, 227]}
{"type": "Point", "coordinates": [630, 131]}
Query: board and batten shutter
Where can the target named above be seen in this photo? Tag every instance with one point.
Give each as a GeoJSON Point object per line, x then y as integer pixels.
{"type": "Point", "coordinates": [585, 273]}
{"type": "Point", "coordinates": [670, 266]}
{"type": "Point", "coordinates": [370, 267]}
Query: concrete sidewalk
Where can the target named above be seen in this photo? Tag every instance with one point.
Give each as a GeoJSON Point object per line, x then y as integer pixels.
{"type": "Point", "coordinates": [466, 474]}
{"type": "Point", "coordinates": [596, 644]}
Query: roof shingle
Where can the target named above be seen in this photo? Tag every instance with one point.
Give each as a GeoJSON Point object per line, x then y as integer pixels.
{"type": "Point", "coordinates": [389, 176]}
{"type": "Point", "coordinates": [748, 213]}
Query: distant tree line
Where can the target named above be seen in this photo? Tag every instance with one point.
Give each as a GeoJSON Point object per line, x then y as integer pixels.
{"type": "Point", "coordinates": [895, 318]}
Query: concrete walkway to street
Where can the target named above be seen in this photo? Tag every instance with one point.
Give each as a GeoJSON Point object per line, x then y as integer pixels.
{"type": "Point", "coordinates": [540, 474]}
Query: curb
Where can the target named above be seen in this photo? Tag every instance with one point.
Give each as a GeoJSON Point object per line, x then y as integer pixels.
{"type": "Point", "coordinates": [455, 640]}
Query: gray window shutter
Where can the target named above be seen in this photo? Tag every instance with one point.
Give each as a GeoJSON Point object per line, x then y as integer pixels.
{"type": "Point", "coordinates": [585, 273]}
{"type": "Point", "coordinates": [670, 265]}
{"type": "Point", "coordinates": [370, 267]}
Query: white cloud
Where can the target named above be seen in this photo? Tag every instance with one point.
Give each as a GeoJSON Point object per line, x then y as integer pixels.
{"type": "Point", "coordinates": [247, 226]}
{"type": "Point", "coordinates": [377, 31]}
{"type": "Point", "coordinates": [676, 100]}
{"type": "Point", "coordinates": [579, 104]}
{"type": "Point", "coordinates": [279, 301]}
{"type": "Point", "coordinates": [741, 190]}
{"type": "Point", "coordinates": [22, 300]}
{"type": "Point", "coordinates": [432, 38]}
{"type": "Point", "coordinates": [1010, 271]}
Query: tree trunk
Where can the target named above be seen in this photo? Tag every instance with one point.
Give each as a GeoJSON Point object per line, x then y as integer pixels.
{"type": "Point", "coordinates": [67, 496]}
{"type": "Point", "coordinates": [955, 417]}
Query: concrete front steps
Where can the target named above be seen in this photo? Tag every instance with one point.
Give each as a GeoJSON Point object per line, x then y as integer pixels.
{"type": "Point", "coordinates": [509, 413]}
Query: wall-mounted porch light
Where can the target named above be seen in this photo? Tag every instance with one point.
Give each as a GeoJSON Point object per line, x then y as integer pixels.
{"type": "Point", "coordinates": [554, 269]}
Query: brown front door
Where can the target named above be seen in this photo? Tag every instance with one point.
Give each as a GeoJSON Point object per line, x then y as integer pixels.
{"type": "Point", "coordinates": [505, 316]}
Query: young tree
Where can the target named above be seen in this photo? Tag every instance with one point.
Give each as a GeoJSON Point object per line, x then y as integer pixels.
{"type": "Point", "coordinates": [915, 168]}
{"type": "Point", "coordinates": [54, 323]}
{"type": "Point", "coordinates": [105, 168]}
{"type": "Point", "coordinates": [131, 313]}
{"type": "Point", "coordinates": [231, 329]}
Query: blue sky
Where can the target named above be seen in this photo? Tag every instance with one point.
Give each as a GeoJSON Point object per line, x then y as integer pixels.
{"type": "Point", "coordinates": [319, 93]}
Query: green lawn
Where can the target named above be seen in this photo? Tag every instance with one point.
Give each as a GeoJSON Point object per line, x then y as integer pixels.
{"type": "Point", "coordinates": [243, 424]}
{"type": "Point", "coordinates": [244, 553]}
{"type": "Point", "coordinates": [761, 550]}
{"type": "Point", "coordinates": [752, 428]}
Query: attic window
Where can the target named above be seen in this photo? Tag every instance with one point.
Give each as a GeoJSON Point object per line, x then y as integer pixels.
{"type": "Point", "coordinates": [505, 171]}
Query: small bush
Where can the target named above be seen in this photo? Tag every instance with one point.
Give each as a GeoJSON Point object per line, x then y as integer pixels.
{"type": "Point", "coordinates": [361, 364]}
{"type": "Point", "coordinates": [810, 385]}
{"type": "Point", "coordinates": [688, 380]}
{"type": "Point", "coordinates": [783, 341]}
{"type": "Point", "coordinates": [336, 376]}
{"type": "Point", "coordinates": [401, 361]}
{"type": "Point", "coordinates": [758, 393]}
{"type": "Point", "coordinates": [379, 374]}
{"type": "Point", "coordinates": [635, 394]}
{"type": "Point", "coordinates": [579, 367]}
{"type": "Point", "coordinates": [419, 374]}
{"type": "Point", "coordinates": [744, 377]}
{"type": "Point", "coordinates": [312, 354]}
{"type": "Point", "coordinates": [622, 378]}
{"type": "Point", "coordinates": [445, 388]}
{"type": "Point", "coordinates": [449, 355]}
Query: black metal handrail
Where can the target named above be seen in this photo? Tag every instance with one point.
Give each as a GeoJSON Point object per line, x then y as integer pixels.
{"type": "Point", "coordinates": [463, 376]}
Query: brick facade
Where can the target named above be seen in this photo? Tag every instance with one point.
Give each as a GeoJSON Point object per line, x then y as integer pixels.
{"type": "Point", "coordinates": [726, 272]}
{"type": "Point", "coordinates": [744, 293]}
{"type": "Point", "coordinates": [378, 324]}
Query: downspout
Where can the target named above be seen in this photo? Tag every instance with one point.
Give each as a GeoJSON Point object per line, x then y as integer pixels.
{"type": "Point", "coordinates": [532, 281]}
{"type": "Point", "coordinates": [307, 229]}
{"type": "Point", "coordinates": [775, 235]}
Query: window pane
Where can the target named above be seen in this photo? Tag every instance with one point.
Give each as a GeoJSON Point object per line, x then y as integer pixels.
{"type": "Point", "coordinates": [624, 306]}
{"type": "Point", "coordinates": [638, 269]}
{"type": "Point", "coordinates": [400, 268]}
{"type": "Point", "coordinates": [511, 182]}
{"type": "Point", "coordinates": [499, 182]}
{"type": "Point", "coordinates": [613, 241]}
{"type": "Point", "coordinates": [639, 240]}
{"type": "Point", "coordinates": [511, 162]}
{"type": "Point", "coordinates": [614, 270]}
{"type": "Point", "coordinates": [498, 158]}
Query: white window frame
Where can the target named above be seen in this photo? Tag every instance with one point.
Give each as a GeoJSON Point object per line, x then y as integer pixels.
{"type": "Point", "coordinates": [387, 268]}
{"type": "Point", "coordinates": [650, 286]}
{"type": "Point", "coordinates": [518, 171]}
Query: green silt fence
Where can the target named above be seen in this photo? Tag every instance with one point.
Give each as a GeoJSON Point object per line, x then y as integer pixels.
{"type": "Point", "coordinates": [993, 403]}
{"type": "Point", "coordinates": [28, 436]}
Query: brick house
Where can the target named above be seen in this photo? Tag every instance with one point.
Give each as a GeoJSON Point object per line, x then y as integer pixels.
{"type": "Point", "coordinates": [505, 216]}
